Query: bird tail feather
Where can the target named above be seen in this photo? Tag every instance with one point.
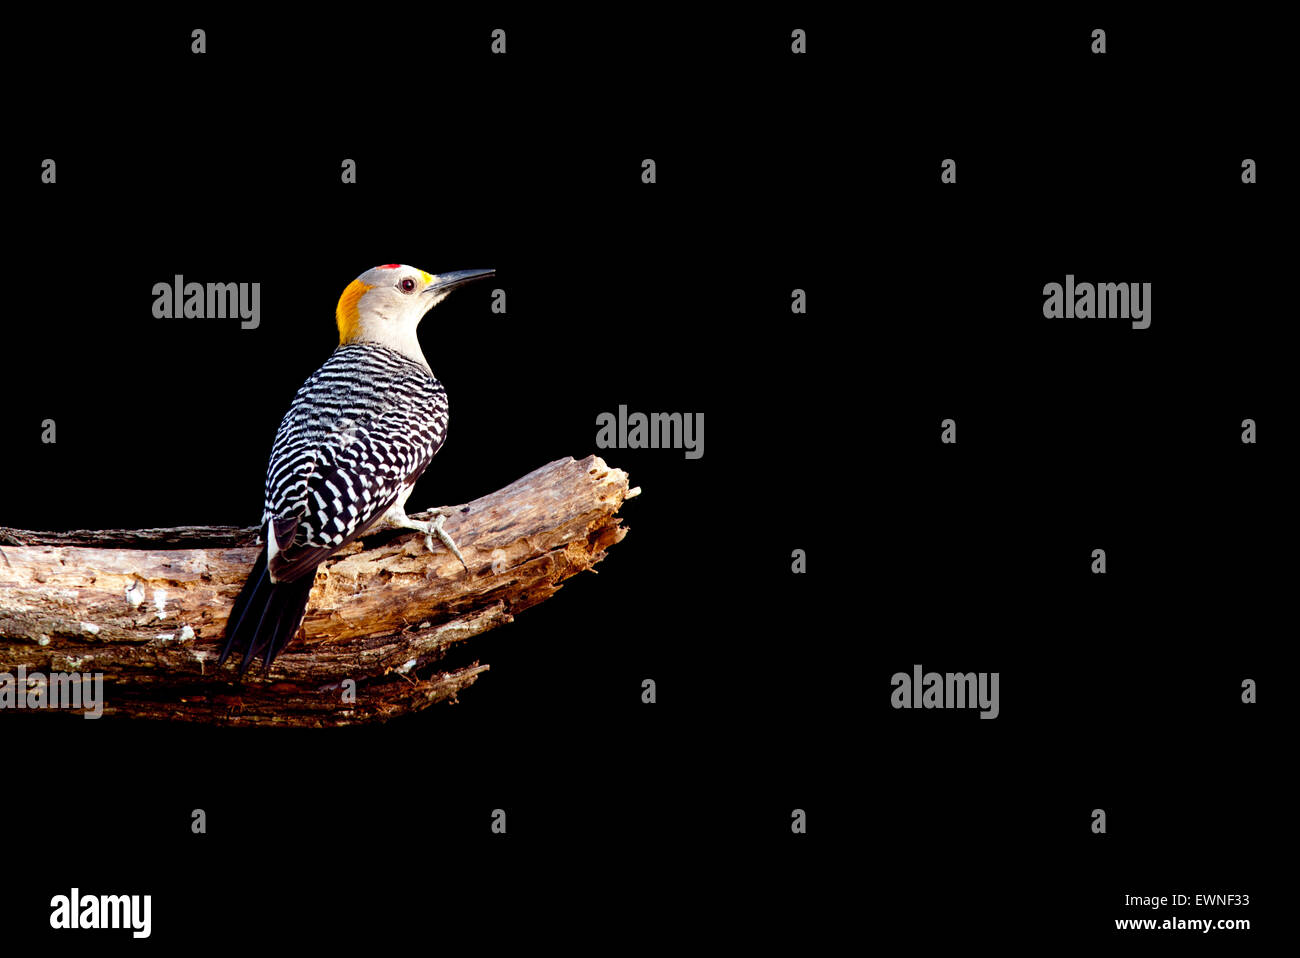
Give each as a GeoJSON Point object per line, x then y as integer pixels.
{"type": "Point", "coordinates": [265, 616]}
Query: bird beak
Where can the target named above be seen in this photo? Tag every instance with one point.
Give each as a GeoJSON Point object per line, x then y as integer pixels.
{"type": "Point", "coordinates": [446, 282]}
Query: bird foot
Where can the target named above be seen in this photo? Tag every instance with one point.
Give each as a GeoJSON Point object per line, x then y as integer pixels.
{"type": "Point", "coordinates": [434, 528]}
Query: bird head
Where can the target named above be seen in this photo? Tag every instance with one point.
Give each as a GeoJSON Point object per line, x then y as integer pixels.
{"type": "Point", "coordinates": [385, 304]}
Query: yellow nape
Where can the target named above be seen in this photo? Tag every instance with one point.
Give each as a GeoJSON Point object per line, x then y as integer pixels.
{"type": "Point", "coordinates": [347, 315]}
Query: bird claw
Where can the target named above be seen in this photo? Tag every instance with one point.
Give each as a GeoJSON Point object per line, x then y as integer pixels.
{"type": "Point", "coordinates": [435, 528]}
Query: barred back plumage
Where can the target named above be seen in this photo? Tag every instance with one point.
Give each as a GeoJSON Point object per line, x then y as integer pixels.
{"type": "Point", "coordinates": [361, 429]}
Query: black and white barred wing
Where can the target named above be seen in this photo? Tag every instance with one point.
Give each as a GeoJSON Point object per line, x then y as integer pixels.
{"type": "Point", "coordinates": [346, 452]}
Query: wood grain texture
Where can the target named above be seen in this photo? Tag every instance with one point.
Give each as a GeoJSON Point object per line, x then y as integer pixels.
{"type": "Point", "coordinates": [147, 607]}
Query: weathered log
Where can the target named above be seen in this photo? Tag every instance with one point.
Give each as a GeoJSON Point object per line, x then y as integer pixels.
{"type": "Point", "coordinates": [147, 607]}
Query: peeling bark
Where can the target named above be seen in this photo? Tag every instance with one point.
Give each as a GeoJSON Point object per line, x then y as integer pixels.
{"type": "Point", "coordinates": [147, 607]}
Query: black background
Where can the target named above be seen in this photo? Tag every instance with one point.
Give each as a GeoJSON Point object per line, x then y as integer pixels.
{"type": "Point", "coordinates": [631, 824]}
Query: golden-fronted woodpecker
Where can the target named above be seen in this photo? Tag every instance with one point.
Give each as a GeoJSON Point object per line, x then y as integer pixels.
{"type": "Point", "coordinates": [357, 436]}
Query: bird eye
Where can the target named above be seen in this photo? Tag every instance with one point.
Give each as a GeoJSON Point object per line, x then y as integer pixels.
{"type": "Point", "coordinates": [408, 285]}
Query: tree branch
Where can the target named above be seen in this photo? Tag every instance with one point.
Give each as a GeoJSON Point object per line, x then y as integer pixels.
{"type": "Point", "coordinates": [147, 607]}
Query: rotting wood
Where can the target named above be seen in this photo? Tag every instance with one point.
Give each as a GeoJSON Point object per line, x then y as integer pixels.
{"type": "Point", "coordinates": [147, 607]}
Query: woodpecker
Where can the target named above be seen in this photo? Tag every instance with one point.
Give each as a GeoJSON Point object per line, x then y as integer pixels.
{"type": "Point", "coordinates": [357, 436]}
